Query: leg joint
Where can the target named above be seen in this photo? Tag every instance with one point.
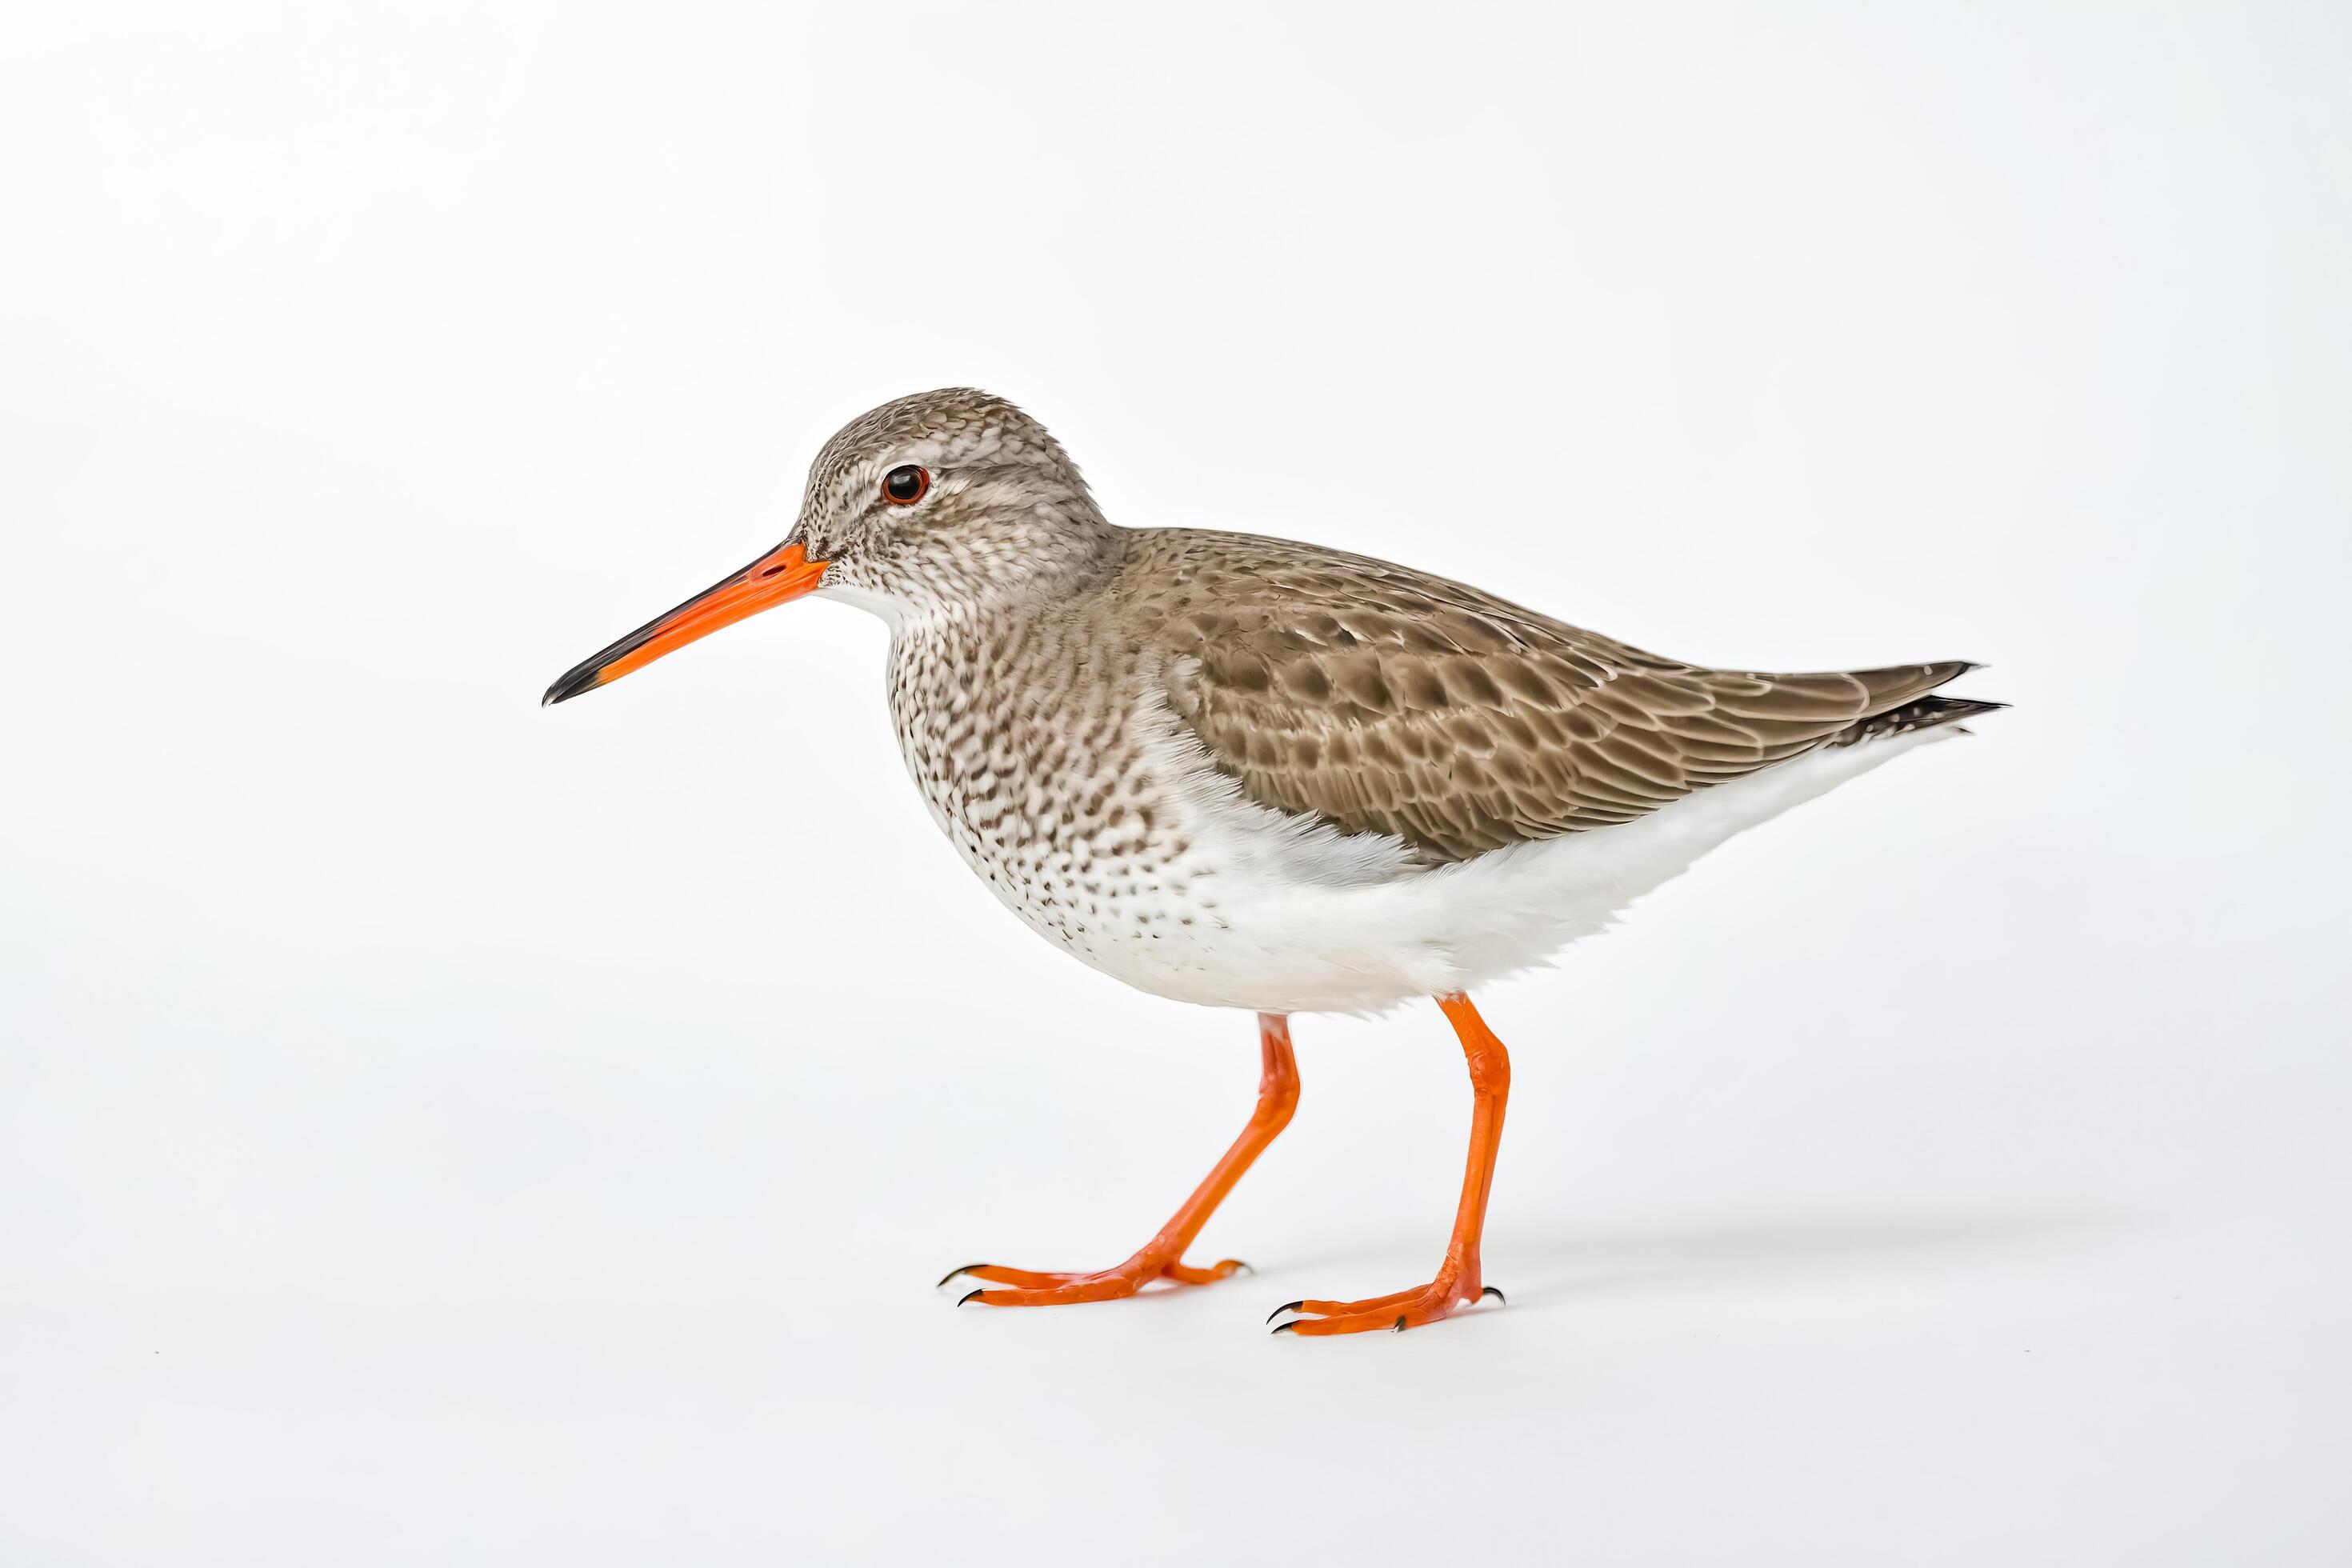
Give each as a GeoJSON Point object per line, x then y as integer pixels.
{"type": "Point", "coordinates": [1490, 1068]}
{"type": "Point", "coordinates": [1490, 1065]}
{"type": "Point", "coordinates": [1278, 1082]}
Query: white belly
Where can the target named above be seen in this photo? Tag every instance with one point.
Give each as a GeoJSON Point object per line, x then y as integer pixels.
{"type": "Point", "coordinates": [1273, 914]}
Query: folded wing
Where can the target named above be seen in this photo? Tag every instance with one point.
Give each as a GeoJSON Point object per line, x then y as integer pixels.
{"type": "Point", "coordinates": [1385, 701]}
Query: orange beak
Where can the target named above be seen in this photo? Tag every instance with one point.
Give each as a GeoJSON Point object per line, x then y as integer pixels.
{"type": "Point", "coordinates": [783, 574]}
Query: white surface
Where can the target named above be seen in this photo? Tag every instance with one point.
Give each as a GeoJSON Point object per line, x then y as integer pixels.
{"type": "Point", "coordinates": [435, 1129]}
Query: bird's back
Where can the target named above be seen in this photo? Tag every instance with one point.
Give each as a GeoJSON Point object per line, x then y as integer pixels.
{"type": "Point", "coordinates": [1383, 699]}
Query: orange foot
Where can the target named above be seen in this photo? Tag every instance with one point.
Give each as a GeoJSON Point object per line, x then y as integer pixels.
{"type": "Point", "coordinates": [1162, 1257]}
{"type": "Point", "coordinates": [1032, 1289]}
{"type": "Point", "coordinates": [1400, 1310]}
{"type": "Point", "coordinates": [1457, 1284]}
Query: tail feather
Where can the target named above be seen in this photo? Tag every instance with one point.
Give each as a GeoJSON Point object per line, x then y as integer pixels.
{"type": "Point", "coordinates": [1919, 713]}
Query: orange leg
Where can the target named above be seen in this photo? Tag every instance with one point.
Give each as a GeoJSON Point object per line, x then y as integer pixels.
{"type": "Point", "coordinates": [1457, 1284]}
{"type": "Point", "coordinates": [1162, 1257]}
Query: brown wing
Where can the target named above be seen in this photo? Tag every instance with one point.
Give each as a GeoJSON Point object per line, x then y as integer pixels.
{"type": "Point", "coordinates": [1386, 700]}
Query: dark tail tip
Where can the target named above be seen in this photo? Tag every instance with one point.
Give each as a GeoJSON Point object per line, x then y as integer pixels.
{"type": "Point", "coordinates": [1919, 713]}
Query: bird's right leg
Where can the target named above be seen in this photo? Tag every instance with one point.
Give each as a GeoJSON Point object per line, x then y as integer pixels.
{"type": "Point", "coordinates": [1162, 1257]}
{"type": "Point", "coordinates": [1459, 1281]}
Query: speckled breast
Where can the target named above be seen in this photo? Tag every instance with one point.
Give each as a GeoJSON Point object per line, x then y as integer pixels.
{"type": "Point", "coordinates": [1026, 744]}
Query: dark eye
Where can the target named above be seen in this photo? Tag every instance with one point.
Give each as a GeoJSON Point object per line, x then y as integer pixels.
{"type": "Point", "coordinates": [905, 484]}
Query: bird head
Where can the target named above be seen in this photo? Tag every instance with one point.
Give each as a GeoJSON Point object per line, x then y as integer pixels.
{"type": "Point", "coordinates": [943, 500]}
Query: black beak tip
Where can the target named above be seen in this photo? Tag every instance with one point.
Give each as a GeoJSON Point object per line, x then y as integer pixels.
{"type": "Point", "coordinates": [570, 686]}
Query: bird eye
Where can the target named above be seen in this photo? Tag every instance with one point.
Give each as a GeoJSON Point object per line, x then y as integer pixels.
{"type": "Point", "coordinates": [906, 484]}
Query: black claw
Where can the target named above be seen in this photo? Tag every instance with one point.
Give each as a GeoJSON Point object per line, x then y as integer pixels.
{"type": "Point", "coordinates": [1498, 1296]}
{"type": "Point", "coordinates": [1241, 1267]}
{"type": "Point", "coordinates": [1400, 1324]}
{"type": "Point", "coordinates": [983, 1291]}
{"type": "Point", "coordinates": [1285, 1307]}
{"type": "Point", "coordinates": [1286, 1327]}
{"type": "Point", "coordinates": [953, 1272]}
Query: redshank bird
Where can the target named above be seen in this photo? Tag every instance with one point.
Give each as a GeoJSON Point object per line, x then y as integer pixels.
{"type": "Point", "coordinates": [1248, 773]}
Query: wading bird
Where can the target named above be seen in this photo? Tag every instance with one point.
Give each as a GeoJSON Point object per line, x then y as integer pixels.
{"type": "Point", "coordinates": [1248, 773]}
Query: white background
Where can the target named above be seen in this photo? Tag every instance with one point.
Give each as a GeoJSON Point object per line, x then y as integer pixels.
{"type": "Point", "coordinates": [438, 1131]}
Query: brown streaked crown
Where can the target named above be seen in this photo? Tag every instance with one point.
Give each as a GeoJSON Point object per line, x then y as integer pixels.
{"type": "Point", "coordinates": [1001, 504]}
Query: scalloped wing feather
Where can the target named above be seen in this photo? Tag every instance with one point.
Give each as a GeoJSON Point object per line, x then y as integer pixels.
{"type": "Point", "coordinates": [1386, 700]}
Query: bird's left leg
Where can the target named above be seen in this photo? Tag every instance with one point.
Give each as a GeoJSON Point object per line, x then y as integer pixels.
{"type": "Point", "coordinates": [1162, 1257]}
